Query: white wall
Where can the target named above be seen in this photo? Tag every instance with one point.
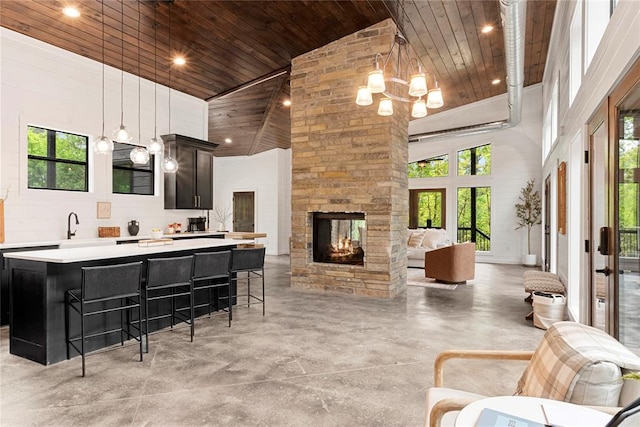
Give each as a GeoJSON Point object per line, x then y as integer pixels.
{"type": "Point", "coordinates": [268, 175]}
{"type": "Point", "coordinates": [515, 158]}
{"type": "Point", "coordinates": [618, 50]}
{"type": "Point", "coordinates": [46, 86]}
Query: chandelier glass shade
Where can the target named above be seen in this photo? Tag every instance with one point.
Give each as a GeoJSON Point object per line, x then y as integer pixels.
{"type": "Point", "coordinates": [419, 109]}
{"type": "Point", "coordinates": [415, 86]}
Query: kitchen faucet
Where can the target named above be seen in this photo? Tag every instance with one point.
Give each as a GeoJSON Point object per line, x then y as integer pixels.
{"type": "Point", "coordinates": [69, 233]}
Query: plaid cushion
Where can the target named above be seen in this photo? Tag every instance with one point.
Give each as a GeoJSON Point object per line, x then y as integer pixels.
{"type": "Point", "coordinates": [567, 351]}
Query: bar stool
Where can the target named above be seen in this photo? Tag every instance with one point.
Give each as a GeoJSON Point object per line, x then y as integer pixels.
{"type": "Point", "coordinates": [105, 289]}
{"type": "Point", "coordinates": [211, 271]}
{"type": "Point", "coordinates": [250, 261]}
{"type": "Point", "coordinates": [172, 275]}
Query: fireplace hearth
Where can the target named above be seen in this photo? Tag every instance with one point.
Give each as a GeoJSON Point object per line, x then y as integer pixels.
{"type": "Point", "coordinates": [338, 237]}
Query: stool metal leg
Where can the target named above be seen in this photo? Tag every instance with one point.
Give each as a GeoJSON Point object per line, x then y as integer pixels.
{"type": "Point", "coordinates": [263, 298]}
{"type": "Point", "coordinates": [66, 322]}
{"type": "Point", "coordinates": [146, 319]}
{"type": "Point", "coordinates": [82, 333]}
{"type": "Point", "coordinates": [191, 311]}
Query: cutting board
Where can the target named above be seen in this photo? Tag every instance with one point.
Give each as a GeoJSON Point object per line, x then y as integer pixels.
{"type": "Point", "coordinates": [1, 220]}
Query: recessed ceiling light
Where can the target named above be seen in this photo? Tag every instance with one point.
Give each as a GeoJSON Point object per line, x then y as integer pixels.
{"type": "Point", "coordinates": [227, 140]}
{"type": "Point", "coordinates": [487, 29]}
{"type": "Point", "coordinates": [286, 102]}
{"type": "Point", "coordinates": [495, 81]}
{"type": "Point", "coordinates": [71, 12]}
{"type": "Point", "coordinates": [179, 60]}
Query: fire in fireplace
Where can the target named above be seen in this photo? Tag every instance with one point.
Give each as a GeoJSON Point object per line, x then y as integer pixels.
{"type": "Point", "coordinates": [338, 237]}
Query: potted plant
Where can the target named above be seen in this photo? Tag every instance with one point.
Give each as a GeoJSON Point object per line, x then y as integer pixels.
{"type": "Point", "coordinates": [528, 211]}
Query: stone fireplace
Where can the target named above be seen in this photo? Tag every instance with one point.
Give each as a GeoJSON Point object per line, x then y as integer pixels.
{"type": "Point", "coordinates": [347, 159]}
{"type": "Point", "coordinates": [338, 237]}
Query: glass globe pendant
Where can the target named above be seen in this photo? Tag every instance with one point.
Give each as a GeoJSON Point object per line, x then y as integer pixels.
{"type": "Point", "coordinates": [102, 145]}
{"type": "Point", "coordinates": [155, 146]}
{"type": "Point", "coordinates": [169, 165]}
{"type": "Point", "coordinates": [139, 155]}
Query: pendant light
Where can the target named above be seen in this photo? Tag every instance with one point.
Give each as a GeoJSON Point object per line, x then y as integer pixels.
{"type": "Point", "coordinates": [102, 145]}
{"type": "Point", "coordinates": [169, 164]}
{"type": "Point", "coordinates": [122, 134]}
{"type": "Point", "coordinates": [155, 145]}
{"type": "Point", "coordinates": [139, 155]}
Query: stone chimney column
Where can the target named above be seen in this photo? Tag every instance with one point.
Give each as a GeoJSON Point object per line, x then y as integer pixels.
{"type": "Point", "coordinates": [347, 158]}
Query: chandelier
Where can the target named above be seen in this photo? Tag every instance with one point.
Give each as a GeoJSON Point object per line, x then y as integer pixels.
{"type": "Point", "coordinates": [416, 83]}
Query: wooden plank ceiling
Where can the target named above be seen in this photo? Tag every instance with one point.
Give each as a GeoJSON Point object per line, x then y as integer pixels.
{"type": "Point", "coordinates": [233, 44]}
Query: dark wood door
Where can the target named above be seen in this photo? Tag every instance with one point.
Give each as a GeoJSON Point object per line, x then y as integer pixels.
{"type": "Point", "coordinates": [204, 179]}
{"type": "Point", "coordinates": [243, 211]}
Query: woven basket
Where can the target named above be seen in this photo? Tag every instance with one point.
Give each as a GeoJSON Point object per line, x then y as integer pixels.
{"type": "Point", "coordinates": [108, 231]}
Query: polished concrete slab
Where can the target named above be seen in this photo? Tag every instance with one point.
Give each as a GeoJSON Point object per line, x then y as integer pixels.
{"type": "Point", "coordinates": [314, 359]}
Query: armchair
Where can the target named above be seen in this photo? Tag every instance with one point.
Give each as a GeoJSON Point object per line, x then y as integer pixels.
{"type": "Point", "coordinates": [451, 264]}
{"type": "Point", "coordinates": [573, 363]}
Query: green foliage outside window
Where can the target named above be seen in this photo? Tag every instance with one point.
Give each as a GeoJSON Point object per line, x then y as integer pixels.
{"type": "Point", "coordinates": [56, 160]}
{"type": "Point", "coordinates": [482, 164]}
{"type": "Point", "coordinates": [430, 208]}
{"type": "Point", "coordinates": [433, 167]}
{"type": "Point", "coordinates": [478, 200]}
{"type": "Point", "coordinates": [628, 188]}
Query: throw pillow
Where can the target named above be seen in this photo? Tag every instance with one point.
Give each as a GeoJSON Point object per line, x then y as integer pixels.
{"type": "Point", "coordinates": [416, 238]}
{"type": "Point", "coordinates": [435, 238]}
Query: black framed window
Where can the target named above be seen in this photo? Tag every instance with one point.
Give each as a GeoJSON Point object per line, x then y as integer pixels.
{"type": "Point", "coordinates": [475, 161]}
{"type": "Point", "coordinates": [56, 160]}
{"type": "Point", "coordinates": [128, 177]}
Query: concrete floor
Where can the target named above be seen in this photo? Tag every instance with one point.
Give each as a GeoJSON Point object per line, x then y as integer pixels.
{"type": "Point", "coordinates": [313, 360]}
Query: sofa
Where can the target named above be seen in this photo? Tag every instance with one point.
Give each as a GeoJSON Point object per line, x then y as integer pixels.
{"type": "Point", "coordinates": [423, 240]}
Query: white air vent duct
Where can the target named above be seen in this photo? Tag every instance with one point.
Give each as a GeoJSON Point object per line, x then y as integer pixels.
{"type": "Point", "coordinates": [513, 14]}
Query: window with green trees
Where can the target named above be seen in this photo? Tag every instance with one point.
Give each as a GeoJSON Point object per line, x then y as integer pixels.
{"type": "Point", "coordinates": [628, 188]}
{"type": "Point", "coordinates": [128, 177]}
{"type": "Point", "coordinates": [475, 161]}
{"type": "Point", "coordinates": [432, 167]}
{"type": "Point", "coordinates": [427, 208]}
{"type": "Point", "coordinates": [56, 160]}
{"type": "Point", "coordinates": [474, 216]}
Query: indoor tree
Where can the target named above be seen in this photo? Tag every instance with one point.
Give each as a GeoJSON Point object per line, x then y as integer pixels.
{"type": "Point", "coordinates": [529, 210]}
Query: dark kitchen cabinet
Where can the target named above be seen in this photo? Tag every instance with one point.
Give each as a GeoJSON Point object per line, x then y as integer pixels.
{"type": "Point", "coordinates": [191, 187]}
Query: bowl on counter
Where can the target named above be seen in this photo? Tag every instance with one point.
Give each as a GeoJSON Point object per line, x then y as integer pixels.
{"type": "Point", "coordinates": [156, 234]}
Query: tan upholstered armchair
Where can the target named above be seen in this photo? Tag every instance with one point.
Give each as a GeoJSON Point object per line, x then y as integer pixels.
{"type": "Point", "coordinates": [573, 363]}
{"type": "Point", "coordinates": [452, 264]}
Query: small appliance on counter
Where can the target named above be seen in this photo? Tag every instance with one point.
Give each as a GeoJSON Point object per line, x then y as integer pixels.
{"type": "Point", "coordinates": [197, 224]}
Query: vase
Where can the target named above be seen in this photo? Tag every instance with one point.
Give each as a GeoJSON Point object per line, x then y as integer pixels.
{"type": "Point", "coordinates": [530, 260]}
{"type": "Point", "coordinates": [222, 227]}
{"type": "Point", "coordinates": [133, 227]}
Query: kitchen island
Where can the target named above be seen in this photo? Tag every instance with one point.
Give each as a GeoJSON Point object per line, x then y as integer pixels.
{"type": "Point", "coordinates": [39, 279]}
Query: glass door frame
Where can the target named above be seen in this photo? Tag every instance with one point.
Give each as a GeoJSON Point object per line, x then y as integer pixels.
{"type": "Point", "coordinates": [414, 195]}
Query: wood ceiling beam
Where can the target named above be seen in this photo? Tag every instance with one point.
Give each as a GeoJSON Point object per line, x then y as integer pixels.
{"type": "Point", "coordinates": [271, 107]}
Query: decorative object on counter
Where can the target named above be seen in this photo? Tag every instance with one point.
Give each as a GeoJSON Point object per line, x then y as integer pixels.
{"type": "Point", "coordinates": [222, 215]}
{"type": "Point", "coordinates": [104, 210]}
{"type": "Point", "coordinates": [156, 233]}
{"type": "Point", "coordinates": [108, 231]}
{"type": "Point", "coordinates": [170, 229]}
{"type": "Point", "coordinates": [133, 227]}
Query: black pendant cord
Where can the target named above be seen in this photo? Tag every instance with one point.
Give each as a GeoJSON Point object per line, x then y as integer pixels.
{"type": "Point", "coordinates": [102, 3]}
{"type": "Point", "coordinates": [155, 71]}
{"type": "Point", "coordinates": [139, 83]}
{"type": "Point", "coordinates": [169, 146]}
{"type": "Point", "coordinates": [122, 63]}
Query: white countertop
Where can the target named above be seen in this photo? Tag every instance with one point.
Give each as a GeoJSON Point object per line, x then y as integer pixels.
{"type": "Point", "coordinates": [90, 253]}
{"type": "Point", "coordinates": [102, 241]}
